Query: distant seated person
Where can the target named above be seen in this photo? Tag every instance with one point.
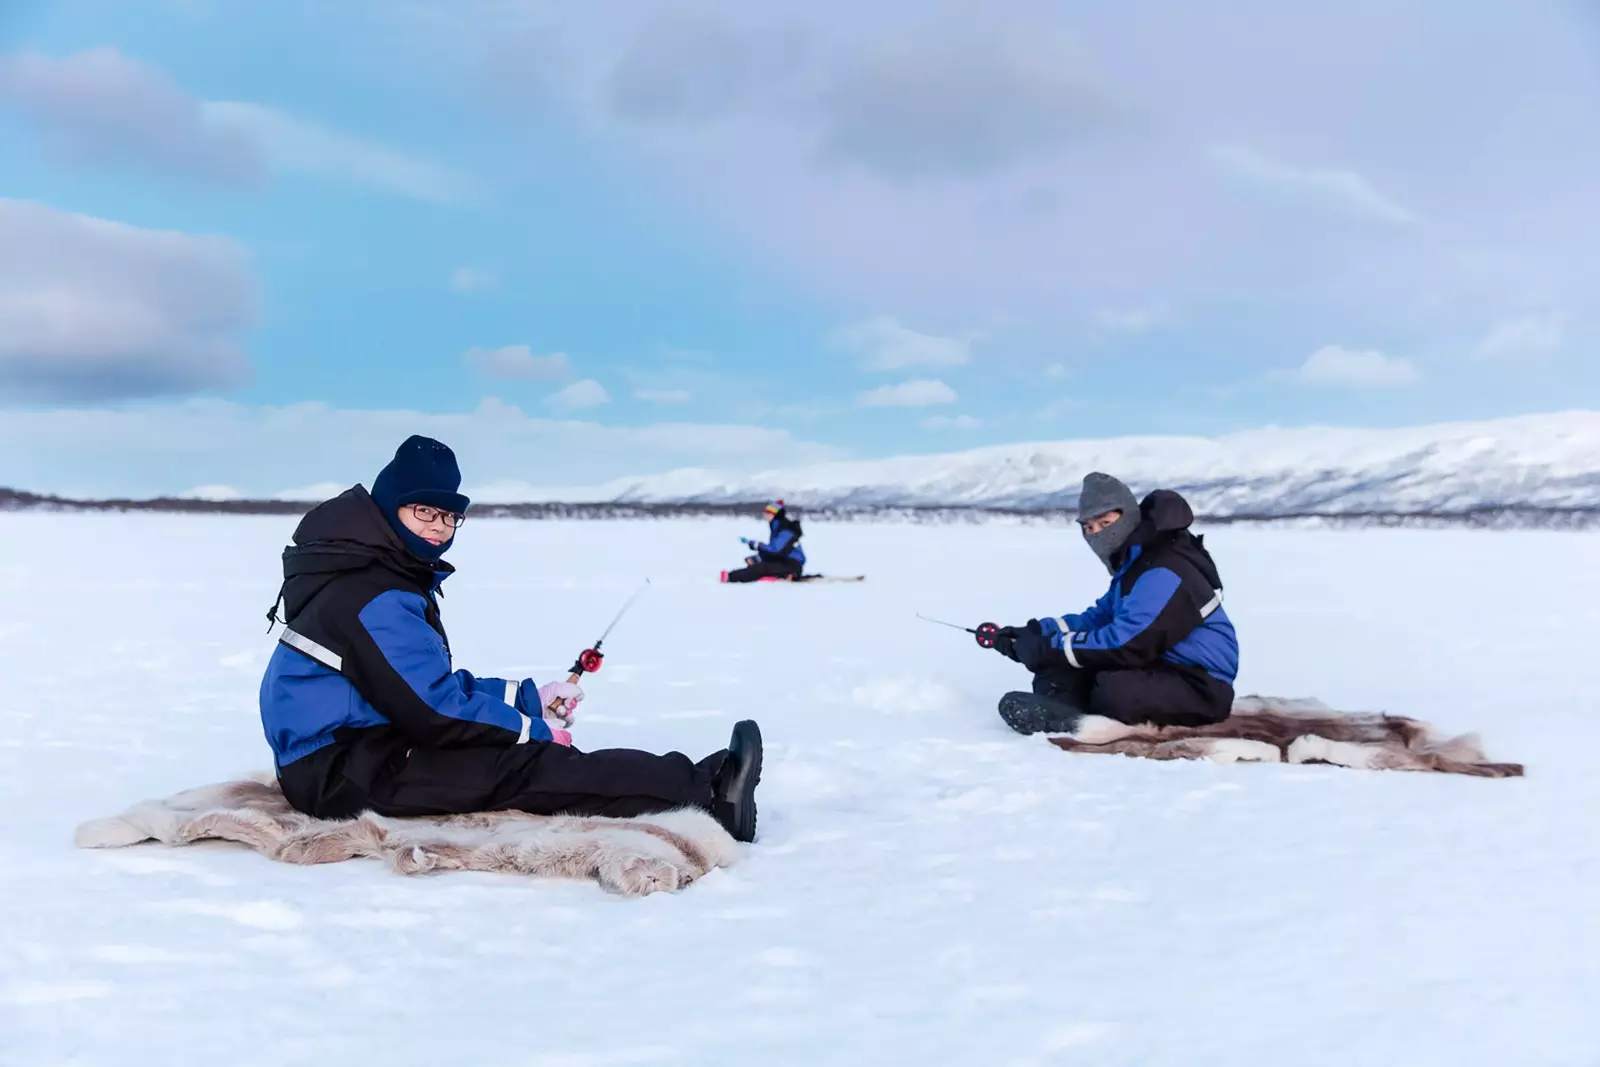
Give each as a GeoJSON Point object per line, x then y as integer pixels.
{"type": "Point", "coordinates": [780, 556]}
{"type": "Point", "coordinates": [1156, 648]}
{"type": "Point", "coordinates": [364, 710]}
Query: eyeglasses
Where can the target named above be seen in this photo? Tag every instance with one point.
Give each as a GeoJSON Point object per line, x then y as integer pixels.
{"type": "Point", "coordinates": [426, 514]}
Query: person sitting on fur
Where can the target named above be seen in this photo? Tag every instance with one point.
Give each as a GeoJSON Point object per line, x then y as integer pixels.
{"type": "Point", "coordinates": [1157, 648]}
{"type": "Point", "coordinates": [780, 556]}
{"type": "Point", "coordinates": [364, 710]}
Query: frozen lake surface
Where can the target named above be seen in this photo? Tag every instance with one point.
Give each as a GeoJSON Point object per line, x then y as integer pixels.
{"type": "Point", "coordinates": [928, 888]}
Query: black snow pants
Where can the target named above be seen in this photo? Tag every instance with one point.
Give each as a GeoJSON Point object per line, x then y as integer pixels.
{"type": "Point", "coordinates": [766, 568]}
{"type": "Point", "coordinates": [541, 778]}
{"type": "Point", "coordinates": [1164, 694]}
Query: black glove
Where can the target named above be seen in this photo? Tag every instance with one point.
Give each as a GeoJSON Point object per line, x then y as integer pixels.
{"type": "Point", "coordinates": [1033, 650]}
{"type": "Point", "coordinates": [1006, 637]}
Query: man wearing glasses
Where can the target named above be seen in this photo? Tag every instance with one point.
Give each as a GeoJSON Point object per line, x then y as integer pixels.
{"type": "Point", "coordinates": [364, 711]}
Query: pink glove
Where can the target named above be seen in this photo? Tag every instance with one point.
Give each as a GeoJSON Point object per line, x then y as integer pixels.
{"type": "Point", "coordinates": [565, 697]}
{"type": "Point", "coordinates": [560, 737]}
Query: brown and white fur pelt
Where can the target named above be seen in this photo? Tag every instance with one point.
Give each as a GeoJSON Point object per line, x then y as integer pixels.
{"type": "Point", "coordinates": [1270, 730]}
{"type": "Point", "coordinates": [632, 857]}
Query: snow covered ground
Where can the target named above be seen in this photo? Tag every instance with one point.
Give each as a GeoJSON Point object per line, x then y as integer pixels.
{"type": "Point", "coordinates": [928, 888]}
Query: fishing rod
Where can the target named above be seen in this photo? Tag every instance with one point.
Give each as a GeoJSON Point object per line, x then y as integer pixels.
{"type": "Point", "coordinates": [590, 659]}
{"type": "Point", "coordinates": [984, 632]}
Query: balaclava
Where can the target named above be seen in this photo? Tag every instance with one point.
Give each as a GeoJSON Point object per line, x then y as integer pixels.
{"type": "Point", "coordinates": [1101, 495]}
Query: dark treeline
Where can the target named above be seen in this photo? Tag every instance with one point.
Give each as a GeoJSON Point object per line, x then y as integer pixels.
{"type": "Point", "coordinates": [1482, 518]}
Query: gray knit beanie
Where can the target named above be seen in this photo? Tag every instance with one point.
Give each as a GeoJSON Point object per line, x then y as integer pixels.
{"type": "Point", "coordinates": [1101, 495]}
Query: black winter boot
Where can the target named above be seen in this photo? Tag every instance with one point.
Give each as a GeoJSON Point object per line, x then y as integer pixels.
{"type": "Point", "coordinates": [734, 788]}
{"type": "Point", "coordinates": [1030, 713]}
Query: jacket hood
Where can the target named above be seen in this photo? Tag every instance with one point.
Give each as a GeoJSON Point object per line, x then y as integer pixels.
{"type": "Point", "coordinates": [1164, 521]}
{"type": "Point", "coordinates": [1165, 511]}
{"type": "Point", "coordinates": [348, 533]}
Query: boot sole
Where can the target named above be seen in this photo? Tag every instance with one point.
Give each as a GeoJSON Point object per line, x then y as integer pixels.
{"type": "Point", "coordinates": [1027, 713]}
{"type": "Point", "coordinates": [745, 746]}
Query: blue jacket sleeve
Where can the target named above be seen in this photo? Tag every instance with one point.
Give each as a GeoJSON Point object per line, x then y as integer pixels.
{"type": "Point", "coordinates": [403, 670]}
{"type": "Point", "coordinates": [778, 545]}
{"type": "Point", "coordinates": [1151, 618]}
{"type": "Point", "coordinates": [1094, 616]}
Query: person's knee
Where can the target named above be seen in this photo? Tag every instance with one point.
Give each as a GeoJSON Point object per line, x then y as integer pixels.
{"type": "Point", "coordinates": [1063, 683]}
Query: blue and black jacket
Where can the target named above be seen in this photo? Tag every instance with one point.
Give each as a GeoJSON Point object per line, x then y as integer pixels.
{"type": "Point", "coordinates": [1164, 604]}
{"type": "Point", "coordinates": [363, 662]}
{"type": "Point", "coordinates": [783, 541]}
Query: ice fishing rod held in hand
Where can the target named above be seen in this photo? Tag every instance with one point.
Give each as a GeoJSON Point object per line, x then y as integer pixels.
{"type": "Point", "coordinates": [590, 659]}
{"type": "Point", "coordinates": [985, 632]}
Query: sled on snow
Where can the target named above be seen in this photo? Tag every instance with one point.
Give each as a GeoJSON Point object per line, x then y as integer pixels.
{"type": "Point", "coordinates": [803, 578]}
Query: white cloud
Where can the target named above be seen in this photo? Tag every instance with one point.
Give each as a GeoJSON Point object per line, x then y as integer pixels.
{"type": "Point", "coordinates": [1357, 368]}
{"type": "Point", "coordinates": [1343, 190]}
{"type": "Point", "coordinates": [947, 422]}
{"type": "Point", "coordinates": [1529, 335]}
{"type": "Point", "coordinates": [884, 343]}
{"type": "Point", "coordinates": [99, 108]}
{"type": "Point", "coordinates": [1056, 370]}
{"type": "Point", "coordinates": [97, 310]}
{"type": "Point", "coordinates": [473, 279]}
{"type": "Point", "coordinates": [923, 110]}
{"type": "Point", "coordinates": [587, 393]}
{"type": "Point", "coordinates": [663, 396]}
{"type": "Point", "coordinates": [517, 361]}
{"type": "Point", "coordinates": [296, 144]}
{"type": "Point", "coordinates": [920, 392]}
{"type": "Point", "coordinates": [311, 451]}
{"type": "Point", "coordinates": [1131, 320]}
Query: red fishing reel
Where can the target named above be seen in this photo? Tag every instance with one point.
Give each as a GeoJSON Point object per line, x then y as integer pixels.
{"type": "Point", "coordinates": [987, 634]}
{"type": "Point", "coordinates": [588, 661]}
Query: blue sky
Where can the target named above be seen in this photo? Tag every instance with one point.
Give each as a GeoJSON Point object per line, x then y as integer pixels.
{"type": "Point", "coordinates": [255, 244]}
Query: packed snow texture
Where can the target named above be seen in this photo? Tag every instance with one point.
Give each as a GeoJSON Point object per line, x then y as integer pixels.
{"type": "Point", "coordinates": [1534, 462]}
{"type": "Point", "coordinates": [928, 887]}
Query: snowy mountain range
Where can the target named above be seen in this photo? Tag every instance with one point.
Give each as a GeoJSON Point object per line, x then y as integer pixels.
{"type": "Point", "coordinates": [1539, 462]}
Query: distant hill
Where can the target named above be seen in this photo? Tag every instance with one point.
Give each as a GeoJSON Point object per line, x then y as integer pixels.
{"type": "Point", "coordinates": [1542, 463]}
{"type": "Point", "coordinates": [1539, 470]}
